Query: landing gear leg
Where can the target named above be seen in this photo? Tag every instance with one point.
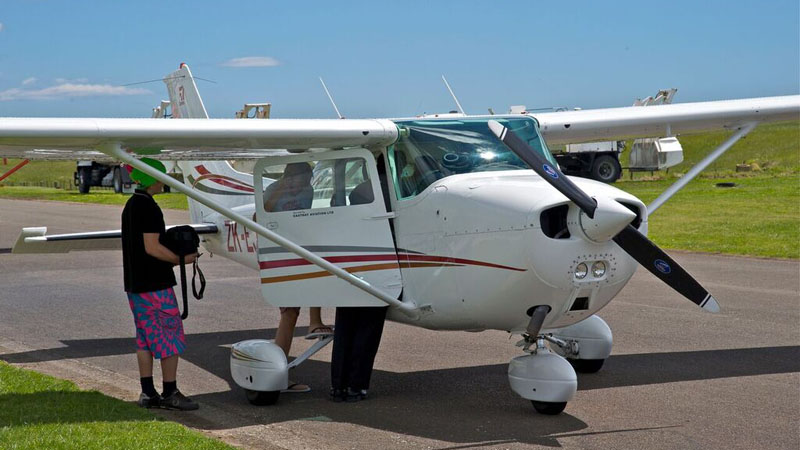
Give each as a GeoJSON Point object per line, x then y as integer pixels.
{"type": "Point", "coordinates": [541, 376]}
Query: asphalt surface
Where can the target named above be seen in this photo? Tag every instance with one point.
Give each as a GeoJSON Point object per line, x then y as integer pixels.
{"type": "Point", "coordinates": [678, 378]}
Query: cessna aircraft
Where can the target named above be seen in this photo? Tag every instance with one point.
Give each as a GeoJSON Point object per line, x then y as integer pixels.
{"type": "Point", "coordinates": [456, 223]}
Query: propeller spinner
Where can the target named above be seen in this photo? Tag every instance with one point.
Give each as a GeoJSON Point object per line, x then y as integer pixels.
{"type": "Point", "coordinates": [605, 219]}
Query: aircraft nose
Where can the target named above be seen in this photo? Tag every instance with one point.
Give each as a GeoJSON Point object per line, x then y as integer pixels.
{"type": "Point", "coordinates": [610, 218]}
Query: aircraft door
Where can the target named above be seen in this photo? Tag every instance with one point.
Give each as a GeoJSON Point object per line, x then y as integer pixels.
{"type": "Point", "coordinates": [331, 204]}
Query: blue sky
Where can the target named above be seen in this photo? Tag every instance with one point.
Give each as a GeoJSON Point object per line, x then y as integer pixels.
{"type": "Point", "coordinates": [385, 59]}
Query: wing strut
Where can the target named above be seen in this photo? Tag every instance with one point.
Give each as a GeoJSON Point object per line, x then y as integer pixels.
{"type": "Point", "coordinates": [682, 181]}
{"type": "Point", "coordinates": [115, 151]}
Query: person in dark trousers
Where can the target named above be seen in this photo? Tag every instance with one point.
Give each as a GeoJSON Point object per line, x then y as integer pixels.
{"type": "Point", "coordinates": [357, 331]}
{"type": "Point", "coordinates": [147, 267]}
{"type": "Point", "coordinates": [356, 337]}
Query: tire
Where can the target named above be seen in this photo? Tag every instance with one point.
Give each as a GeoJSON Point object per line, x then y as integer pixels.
{"type": "Point", "coordinates": [606, 168]}
{"type": "Point", "coordinates": [549, 408]}
{"type": "Point", "coordinates": [587, 365]}
{"type": "Point", "coordinates": [262, 398]}
{"type": "Point", "coordinates": [117, 180]}
{"type": "Point", "coordinates": [84, 179]}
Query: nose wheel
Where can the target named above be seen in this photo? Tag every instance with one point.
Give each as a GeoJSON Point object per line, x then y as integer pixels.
{"type": "Point", "coordinates": [549, 408]}
{"type": "Point", "coordinates": [542, 376]}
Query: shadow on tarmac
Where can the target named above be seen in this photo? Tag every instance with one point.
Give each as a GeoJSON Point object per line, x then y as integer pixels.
{"type": "Point", "coordinates": [460, 405]}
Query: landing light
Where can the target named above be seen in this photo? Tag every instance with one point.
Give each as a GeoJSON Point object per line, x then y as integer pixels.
{"type": "Point", "coordinates": [488, 155]}
{"type": "Point", "coordinates": [598, 269]}
{"type": "Point", "coordinates": [581, 270]}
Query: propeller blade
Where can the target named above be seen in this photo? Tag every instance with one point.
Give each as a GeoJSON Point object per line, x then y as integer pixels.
{"type": "Point", "coordinates": [547, 170]}
{"type": "Point", "coordinates": [630, 239]}
{"type": "Point", "coordinates": [665, 268]}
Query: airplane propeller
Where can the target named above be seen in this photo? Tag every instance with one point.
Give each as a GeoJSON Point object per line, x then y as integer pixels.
{"type": "Point", "coordinates": [624, 234]}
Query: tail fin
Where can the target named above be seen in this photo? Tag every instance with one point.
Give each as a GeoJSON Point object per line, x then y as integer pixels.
{"type": "Point", "coordinates": [215, 178]}
{"type": "Point", "coordinates": [183, 95]}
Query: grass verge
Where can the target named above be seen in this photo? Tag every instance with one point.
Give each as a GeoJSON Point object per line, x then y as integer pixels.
{"type": "Point", "coordinates": [39, 411]}
{"type": "Point", "coordinates": [758, 217]}
{"type": "Point", "coordinates": [169, 201]}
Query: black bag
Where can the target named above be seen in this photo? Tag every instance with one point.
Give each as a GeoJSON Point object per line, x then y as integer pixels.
{"type": "Point", "coordinates": [184, 240]}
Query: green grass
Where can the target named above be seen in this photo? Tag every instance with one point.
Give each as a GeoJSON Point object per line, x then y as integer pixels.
{"type": "Point", "coordinates": [758, 217]}
{"type": "Point", "coordinates": [105, 197]}
{"type": "Point", "coordinates": [38, 411]}
{"type": "Point", "coordinates": [36, 173]}
{"type": "Point", "coordinates": [774, 148]}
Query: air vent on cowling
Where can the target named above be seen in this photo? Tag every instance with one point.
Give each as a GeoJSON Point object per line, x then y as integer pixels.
{"type": "Point", "coordinates": [554, 222]}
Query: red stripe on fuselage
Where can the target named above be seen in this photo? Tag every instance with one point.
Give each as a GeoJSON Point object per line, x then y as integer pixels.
{"type": "Point", "coordinates": [222, 180]}
{"type": "Point", "coordinates": [404, 259]}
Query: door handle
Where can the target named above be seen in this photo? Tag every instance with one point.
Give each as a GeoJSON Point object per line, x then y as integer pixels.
{"type": "Point", "coordinates": [389, 215]}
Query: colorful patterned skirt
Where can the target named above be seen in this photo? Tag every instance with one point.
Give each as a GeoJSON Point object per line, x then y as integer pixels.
{"type": "Point", "coordinates": [159, 328]}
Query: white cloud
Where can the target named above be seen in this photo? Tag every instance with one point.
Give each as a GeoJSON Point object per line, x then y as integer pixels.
{"type": "Point", "coordinates": [66, 90]}
{"type": "Point", "coordinates": [71, 80]}
{"type": "Point", "coordinates": [252, 61]}
{"type": "Point", "coordinates": [2, 26]}
{"type": "Point", "coordinates": [28, 81]}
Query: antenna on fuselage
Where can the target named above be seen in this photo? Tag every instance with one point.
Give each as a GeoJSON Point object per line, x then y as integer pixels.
{"type": "Point", "coordinates": [331, 99]}
{"type": "Point", "coordinates": [460, 109]}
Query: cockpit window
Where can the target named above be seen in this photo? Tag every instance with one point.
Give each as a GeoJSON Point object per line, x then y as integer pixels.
{"type": "Point", "coordinates": [428, 150]}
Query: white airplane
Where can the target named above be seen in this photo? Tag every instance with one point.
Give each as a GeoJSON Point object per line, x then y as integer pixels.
{"type": "Point", "coordinates": [472, 238]}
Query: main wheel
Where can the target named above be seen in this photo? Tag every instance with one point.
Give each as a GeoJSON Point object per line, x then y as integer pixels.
{"type": "Point", "coordinates": [549, 408]}
{"type": "Point", "coordinates": [586, 365]}
{"type": "Point", "coordinates": [606, 169]}
{"type": "Point", "coordinates": [84, 179]}
{"type": "Point", "coordinates": [117, 180]}
{"type": "Point", "coordinates": [262, 398]}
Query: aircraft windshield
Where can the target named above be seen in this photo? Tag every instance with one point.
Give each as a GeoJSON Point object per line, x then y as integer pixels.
{"type": "Point", "coordinates": [428, 150]}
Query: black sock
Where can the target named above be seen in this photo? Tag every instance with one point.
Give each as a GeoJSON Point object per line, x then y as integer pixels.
{"type": "Point", "coordinates": [147, 386]}
{"type": "Point", "coordinates": [170, 387]}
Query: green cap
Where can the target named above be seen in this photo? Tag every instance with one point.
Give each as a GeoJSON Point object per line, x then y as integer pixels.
{"type": "Point", "coordinates": [144, 179]}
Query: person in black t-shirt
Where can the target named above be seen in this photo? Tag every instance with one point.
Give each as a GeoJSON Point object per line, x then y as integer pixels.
{"type": "Point", "coordinates": [147, 268]}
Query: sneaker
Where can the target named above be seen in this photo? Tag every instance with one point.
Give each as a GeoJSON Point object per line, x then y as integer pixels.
{"type": "Point", "coordinates": [146, 401]}
{"type": "Point", "coordinates": [179, 402]}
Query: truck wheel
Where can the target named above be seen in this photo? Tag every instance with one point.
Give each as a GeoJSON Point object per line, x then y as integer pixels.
{"type": "Point", "coordinates": [84, 179]}
{"type": "Point", "coordinates": [606, 169]}
{"type": "Point", "coordinates": [117, 180]}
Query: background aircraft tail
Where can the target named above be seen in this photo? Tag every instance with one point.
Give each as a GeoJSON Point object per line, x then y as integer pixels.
{"type": "Point", "coordinates": [217, 179]}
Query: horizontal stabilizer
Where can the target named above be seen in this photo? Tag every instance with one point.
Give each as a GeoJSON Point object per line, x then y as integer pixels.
{"type": "Point", "coordinates": [36, 240]}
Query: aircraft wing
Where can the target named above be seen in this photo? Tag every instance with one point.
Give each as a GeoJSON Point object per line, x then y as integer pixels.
{"type": "Point", "coordinates": [70, 138]}
{"type": "Point", "coordinates": [36, 240]}
{"type": "Point", "coordinates": [569, 127]}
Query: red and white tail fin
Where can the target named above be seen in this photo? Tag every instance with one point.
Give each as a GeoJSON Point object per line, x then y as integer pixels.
{"type": "Point", "coordinates": [214, 178]}
{"type": "Point", "coordinates": [183, 95]}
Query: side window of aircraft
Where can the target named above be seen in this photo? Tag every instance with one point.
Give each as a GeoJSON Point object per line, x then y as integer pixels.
{"type": "Point", "coordinates": [412, 174]}
{"type": "Point", "coordinates": [316, 184]}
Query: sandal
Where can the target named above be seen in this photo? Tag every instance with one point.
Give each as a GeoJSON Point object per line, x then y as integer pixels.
{"type": "Point", "coordinates": [296, 388]}
{"type": "Point", "coordinates": [321, 331]}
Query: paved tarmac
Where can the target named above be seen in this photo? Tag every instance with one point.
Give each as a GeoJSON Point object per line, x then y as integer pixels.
{"type": "Point", "coordinates": [679, 378]}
